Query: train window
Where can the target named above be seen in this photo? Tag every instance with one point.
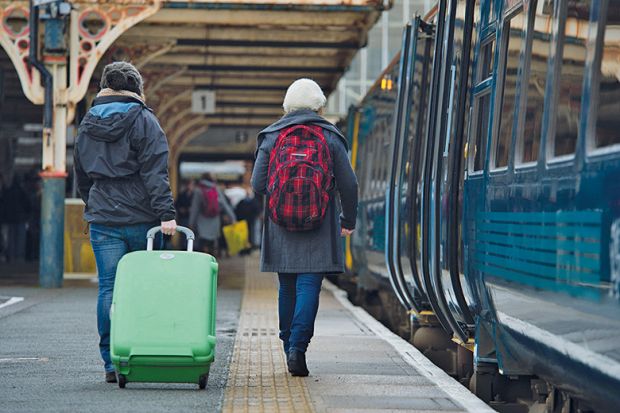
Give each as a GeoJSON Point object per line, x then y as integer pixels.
{"type": "Point", "coordinates": [608, 119]}
{"type": "Point", "coordinates": [486, 59]}
{"type": "Point", "coordinates": [547, 6]}
{"type": "Point", "coordinates": [569, 88]}
{"type": "Point", "coordinates": [495, 7]}
{"type": "Point", "coordinates": [365, 163]}
{"type": "Point", "coordinates": [481, 129]}
{"type": "Point", "coordinates": [376, 166]}
{"type": "Point", "coordinates": [382, 168]}
{"type": "Point", "coordinates": [370, 165]}
{"type": "Point", "coordinates": [482, 102]}
{"type": "Point", "coordinates": [372, 183]}
{"type": "Point", "coordinates": [366, 167]}
{"type": "Point", "coordinates": [385, 150]}
{"type": "Point", "coordinates": [514, 43]}
{"type": "Point", "coordinates": [362, 163]}
{"type": "Point", "coordinates": [528, 143]}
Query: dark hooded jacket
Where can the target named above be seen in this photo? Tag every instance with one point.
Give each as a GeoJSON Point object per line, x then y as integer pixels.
{"type": "Point", "coordinates": [319, 250]}
{"type": "Point", "coordinates": [121, 164]}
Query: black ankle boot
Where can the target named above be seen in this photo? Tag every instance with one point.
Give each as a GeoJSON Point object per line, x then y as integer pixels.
{"type": "Point", "coordinates": [110, 377]}
{"type": "Point", "coordinates": [297, 363]}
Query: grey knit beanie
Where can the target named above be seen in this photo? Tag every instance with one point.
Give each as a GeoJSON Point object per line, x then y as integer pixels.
{"type": "Point", "coordinates": [122, 76]}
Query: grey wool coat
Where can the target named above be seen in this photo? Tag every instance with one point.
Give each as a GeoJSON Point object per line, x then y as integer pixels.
{"type": "Point", "coordinates": [319, 250]}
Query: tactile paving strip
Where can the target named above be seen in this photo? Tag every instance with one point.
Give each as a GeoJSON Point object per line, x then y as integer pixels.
{"type": "Point", "coordinates": [258, 380]}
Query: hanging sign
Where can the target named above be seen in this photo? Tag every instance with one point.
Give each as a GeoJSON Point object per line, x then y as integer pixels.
{"type": "Point", "coordinates": [203, 101]}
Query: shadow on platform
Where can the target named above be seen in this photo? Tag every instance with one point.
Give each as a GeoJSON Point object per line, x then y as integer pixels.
{"type": "Point", "coordinates": [24, 274]}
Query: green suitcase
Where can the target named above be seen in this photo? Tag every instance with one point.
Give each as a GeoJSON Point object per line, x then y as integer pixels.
{"type": "Point", "coordinates": [163, 315]}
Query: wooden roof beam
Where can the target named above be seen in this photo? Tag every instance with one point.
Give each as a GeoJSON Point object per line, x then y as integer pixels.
{"type": "Point", "coordinates": [201, 31]}
{"type": "Point", "coordinates": [270, 43]}
{"type": "Point", "coordinates": [266, 18]}
{"type": "Point", "coordinates": [172, 59]}
{"type": "Point", "coordinates": [259, 68]}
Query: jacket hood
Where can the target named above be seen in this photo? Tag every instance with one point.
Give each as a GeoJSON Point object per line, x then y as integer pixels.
{"type": "Point", "coordinates": [304, 116]}
{"type": "Point", "coordinates": [110, 117]}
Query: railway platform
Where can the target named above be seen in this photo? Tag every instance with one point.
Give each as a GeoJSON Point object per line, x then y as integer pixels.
{"type": "Point", "coordinates": [49, 359]}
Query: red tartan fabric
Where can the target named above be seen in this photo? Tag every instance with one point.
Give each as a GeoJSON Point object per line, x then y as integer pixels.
{"type": "Point", "coordinates": [300, 178]}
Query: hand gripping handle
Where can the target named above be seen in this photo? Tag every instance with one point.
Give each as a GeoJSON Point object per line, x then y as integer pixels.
{"type": "Point", "coordinates": [188, 233]}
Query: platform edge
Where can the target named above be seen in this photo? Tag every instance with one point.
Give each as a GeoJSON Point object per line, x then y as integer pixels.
{"type": "Point", "coordinates": [412, 356]}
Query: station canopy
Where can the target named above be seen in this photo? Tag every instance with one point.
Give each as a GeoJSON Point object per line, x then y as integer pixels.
{"type": "Point", "coordinates": [234, 60]}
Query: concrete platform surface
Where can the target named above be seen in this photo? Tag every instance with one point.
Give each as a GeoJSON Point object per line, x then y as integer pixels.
{"type": "Point", "coordinates": [49, 356]}
{"type": "Point", "coordinates": [355, 363]}
{"type": "Point", "coordinates": [49, 359]}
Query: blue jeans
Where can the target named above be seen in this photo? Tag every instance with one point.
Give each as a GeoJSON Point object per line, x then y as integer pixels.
{"type": "Point", "coordinates": [109, 245]}
{"type": "Point", "coordinates": [298, 303]}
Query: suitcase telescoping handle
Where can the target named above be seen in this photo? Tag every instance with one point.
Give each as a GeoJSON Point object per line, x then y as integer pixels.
{"type": "Point", "coordinates": [150, 236]}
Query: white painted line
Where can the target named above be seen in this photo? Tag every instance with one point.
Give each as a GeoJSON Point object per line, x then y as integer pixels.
{"type": "Point", "coordinates": [79, 276]}
{"type": "Point", "coordinates": [12, 300]}
{"type": "Point", "coordinates": [413, 356]}
{"type": "Point", "coordinates": [22, 359]}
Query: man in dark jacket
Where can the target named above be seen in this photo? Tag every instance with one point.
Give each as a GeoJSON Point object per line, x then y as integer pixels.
{"type": "Point", "coordinates": [302, 258]}
{"type": "Point", "coordinates": [121, 164]}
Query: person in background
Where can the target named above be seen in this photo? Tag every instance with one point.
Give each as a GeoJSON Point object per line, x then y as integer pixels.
{"type": "Point", "coordinates": [33, 189]}
{"type": "Point", "coordinates": [183, 205]}
{"type": "Point", "coordinates": [303, 247]}
{"type": "Point", "coordinates": [184, 202]}
{"type": "Point", "coordinates": [3, 222]}
{"type": "Point", "coordinates": [225, 217]}
{"type": "Point", "coordinates": [17, 210]}
{"type": "Point", "coordinates": [248, 209]}
{"type": "Point", "coordinates": [208, 201]}
{"type": "Point", "coordinates": [235, 193]}
{"type": "Point", "coordinates": [121, 165]}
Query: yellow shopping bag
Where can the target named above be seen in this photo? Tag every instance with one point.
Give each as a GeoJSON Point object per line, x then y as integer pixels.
{"type": "Point", "coordinates": [237, 237]}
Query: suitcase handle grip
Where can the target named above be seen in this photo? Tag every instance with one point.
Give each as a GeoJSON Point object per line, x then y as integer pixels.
{"type": "Point", "coordinates": [150, 235]}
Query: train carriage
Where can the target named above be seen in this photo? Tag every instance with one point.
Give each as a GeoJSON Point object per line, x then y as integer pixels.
{"type": "Point", "coordinates": [488, 156]}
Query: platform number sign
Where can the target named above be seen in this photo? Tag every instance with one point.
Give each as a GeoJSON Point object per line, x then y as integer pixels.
{"type": "Point", "coordinates": [203, 101]}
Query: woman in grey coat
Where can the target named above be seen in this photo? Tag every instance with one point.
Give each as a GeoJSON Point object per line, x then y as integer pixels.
{"type": "Point", "coordinates": [208, 228]}
{"type": "Point", "coordinates": [302, 258]}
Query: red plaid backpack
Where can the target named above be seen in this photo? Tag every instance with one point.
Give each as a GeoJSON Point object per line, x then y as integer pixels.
{"type": "Point", "coordinates": [300, 178]}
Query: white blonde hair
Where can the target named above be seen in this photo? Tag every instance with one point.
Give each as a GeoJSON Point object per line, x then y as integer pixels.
{"type": "Point", "coordinates": [303, 94]}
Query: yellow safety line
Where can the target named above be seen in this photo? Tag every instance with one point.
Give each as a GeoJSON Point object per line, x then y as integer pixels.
{"type": "Point", "coordinates": [258, 380]}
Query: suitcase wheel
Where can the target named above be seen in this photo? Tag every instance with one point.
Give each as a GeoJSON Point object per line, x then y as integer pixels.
{"type": "Point", "coordinates": [202, 381]}
{"type": "Point", "coordinates": [122, 381]}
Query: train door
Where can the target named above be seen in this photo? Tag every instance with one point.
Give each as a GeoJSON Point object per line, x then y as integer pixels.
{"type": "Point", "coordinates": [410, 170]}
{"type": "Point", "coordinates": [392, 227]}
{"type": "Point", "coordinates": [454, 294]}
{"type": "Point", "coordinates": [449, 296]}
{"type": "Point", "coordinates": [411, 109]}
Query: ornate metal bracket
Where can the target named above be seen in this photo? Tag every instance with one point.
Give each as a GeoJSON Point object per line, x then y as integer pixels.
{"type": "Point", "coordinates": [94, 27]}
{"type": "Point", "coordinates": [14, 39]}
{"type": "Point", "coordinates": [93, 30]}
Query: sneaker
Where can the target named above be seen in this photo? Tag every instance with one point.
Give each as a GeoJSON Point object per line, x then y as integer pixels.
{"type": "Point", "coordinates": [297, 363]}
{"type": "Point", "coordinates": [110, 377]}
